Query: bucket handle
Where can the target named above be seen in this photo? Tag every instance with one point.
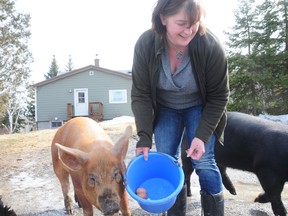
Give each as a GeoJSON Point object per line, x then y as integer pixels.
{"type": "Point", "coordinates": [125, 181]}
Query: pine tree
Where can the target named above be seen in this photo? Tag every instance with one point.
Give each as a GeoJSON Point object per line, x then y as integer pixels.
{"type": "Point", "coordinates": [53, 70]}
{"type": "Point", "coordinates": [281, 89]}
{"type": "Point", "coordinates": [30, 101]}
{"type": "Point", "coordinates": [69, 66]}
{"type": "Point", "coordinates": [244, 93]}
{"type": "Point", "coordinates": [258, 76]}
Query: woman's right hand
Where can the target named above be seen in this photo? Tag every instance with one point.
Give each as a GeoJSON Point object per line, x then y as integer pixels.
{"type": "Point", "coordinates": [144, 151]}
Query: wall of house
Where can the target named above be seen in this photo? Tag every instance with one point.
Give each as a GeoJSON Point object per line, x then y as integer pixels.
{"type": "Point", "coordinates": [52, 98]}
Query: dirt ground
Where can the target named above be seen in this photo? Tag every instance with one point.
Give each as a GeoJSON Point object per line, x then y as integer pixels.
{"type": "Point", "coordinates": [29, 186]}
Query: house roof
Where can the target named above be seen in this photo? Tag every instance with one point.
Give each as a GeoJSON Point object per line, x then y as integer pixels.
{"type": "Point", "coordinates": [84, 69]}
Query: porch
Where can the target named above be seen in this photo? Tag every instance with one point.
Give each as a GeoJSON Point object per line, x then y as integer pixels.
{"type": "Point", "coordinates": [95, 111]}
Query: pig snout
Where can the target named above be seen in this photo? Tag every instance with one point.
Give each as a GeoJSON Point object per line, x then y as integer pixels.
{"type": "Point", "coordinates": [109, 202]}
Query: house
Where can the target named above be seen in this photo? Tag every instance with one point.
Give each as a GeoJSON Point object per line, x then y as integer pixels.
{"type": "Point", "coordinates": [91, 91]}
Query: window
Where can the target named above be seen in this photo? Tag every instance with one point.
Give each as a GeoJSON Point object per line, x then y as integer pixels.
{"type": "Point", "coordinates": [118, 96]}
{"type": "Point", "coordinates": [81, 97]}
{"type": "Point", "coordinates": [55, 124]}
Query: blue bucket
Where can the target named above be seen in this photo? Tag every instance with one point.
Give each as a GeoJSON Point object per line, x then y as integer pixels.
{"type": "Point", "coordinates": [162, 177]}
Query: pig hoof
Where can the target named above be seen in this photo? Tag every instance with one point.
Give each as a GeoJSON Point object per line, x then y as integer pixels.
{"type": "Point", "coordinates": [233, 192]}
{"type": "Point", "coordinates": [69, 212]}
{"type": "Point", "coordinates": [68, 205]}
{"type": "Point", "coordinates": [262, 198]}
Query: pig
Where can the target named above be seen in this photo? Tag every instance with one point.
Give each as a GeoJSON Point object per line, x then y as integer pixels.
{"type": "Point", "coordinates": [82, 150]}
{"type": "Point", "coordinates": [6, 210]}
{"type": "Point", "coordinates": [259, 146]}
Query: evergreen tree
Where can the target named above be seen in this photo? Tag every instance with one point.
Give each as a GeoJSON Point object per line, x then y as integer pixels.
{"type": "Point", "coordinates": [53, 70]}
{"type": "Point", "coordinates": [69, 66]}
{"type": "Point", "coordinates": [241, 65]}
{"type": "Point", "coordinates": [30, 108]}
{"type": "Point", "coordinates": [258, 76]}
{"type": "Point", "coordinates": [30, 101]}
{"type": "Point", "coordinates": [269, 46]}
{"type": "Point", "coordinates": [281, 89]}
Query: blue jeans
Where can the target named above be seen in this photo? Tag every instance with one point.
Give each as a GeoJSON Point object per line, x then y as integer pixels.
{"type": "Point", "coordinates": [168, 131]}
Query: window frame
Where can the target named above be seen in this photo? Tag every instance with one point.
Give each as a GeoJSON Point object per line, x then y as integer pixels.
{"type": "Point", "coordinates": [118, 96]}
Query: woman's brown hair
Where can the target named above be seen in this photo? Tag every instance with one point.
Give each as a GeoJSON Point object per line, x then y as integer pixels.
{"type": "Point", "coordinates": [166, 8]}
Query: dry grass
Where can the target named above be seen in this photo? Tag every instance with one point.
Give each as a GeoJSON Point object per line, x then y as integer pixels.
{"type": "Point", "coordinates": [14, 143]}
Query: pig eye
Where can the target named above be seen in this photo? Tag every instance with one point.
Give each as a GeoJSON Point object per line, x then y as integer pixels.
{"type": "Point", "coordinates": [118, 177]}
{"type": "Point", "coordinates": [91, 180]}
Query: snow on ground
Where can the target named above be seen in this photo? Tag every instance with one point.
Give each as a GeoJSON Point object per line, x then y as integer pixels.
{"type": "Point", "coordinates": [117, 120]}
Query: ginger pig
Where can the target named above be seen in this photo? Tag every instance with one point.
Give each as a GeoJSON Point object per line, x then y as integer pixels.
{"type": "Point", "coordinates": [141, 192]}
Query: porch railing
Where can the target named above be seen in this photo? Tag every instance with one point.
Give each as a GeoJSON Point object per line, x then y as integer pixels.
{"type": "Point", "coordinates": [95, 111]}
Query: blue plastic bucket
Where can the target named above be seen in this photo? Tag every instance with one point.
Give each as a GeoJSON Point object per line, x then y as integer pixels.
{"type": "Point", "coordinates": [162, 177]}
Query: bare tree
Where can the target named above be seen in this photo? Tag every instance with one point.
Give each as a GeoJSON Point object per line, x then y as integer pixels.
{"type": "Point", "coordinates": [14, 60]}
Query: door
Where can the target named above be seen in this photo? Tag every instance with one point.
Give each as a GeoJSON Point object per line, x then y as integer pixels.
{"type": "Point", "coordinates": [81, 102]}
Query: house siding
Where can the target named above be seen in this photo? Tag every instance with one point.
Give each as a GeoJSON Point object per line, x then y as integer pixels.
{"type": "Point", "coordinates": [52, 98]}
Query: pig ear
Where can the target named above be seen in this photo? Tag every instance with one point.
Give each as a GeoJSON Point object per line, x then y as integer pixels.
{"type": "Point", "coordinates": [121, 146]}
{"type": "Point", "coordinates": [73, 159]}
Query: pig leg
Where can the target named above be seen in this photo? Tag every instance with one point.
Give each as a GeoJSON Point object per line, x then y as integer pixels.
{"type": "Point", "coordinates": [124, 206]}
{"type": "Point", "coordinates": [273, 187]}
{"type": "Point", "coordinates": [81, 199]}
{"type": "Point", "coordinates": [85, 204]}
{"type": "Point", "coordinates": [188, 170]}
{"type": "Point", "coordinates": [63, 177]}
{"type": "Point", "coordinates": [186, 164]}
{"type": "Point", "coordinates": [88, 211]}
{"type": "Point", "coordinates": [226, 180]}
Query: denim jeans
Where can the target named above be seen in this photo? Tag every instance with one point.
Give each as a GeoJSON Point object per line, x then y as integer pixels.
{"type": "Point", "coordinates": [168, 131]}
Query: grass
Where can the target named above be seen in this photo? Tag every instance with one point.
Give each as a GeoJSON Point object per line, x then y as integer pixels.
{"type": "Point", "coordinates": [14, 143]}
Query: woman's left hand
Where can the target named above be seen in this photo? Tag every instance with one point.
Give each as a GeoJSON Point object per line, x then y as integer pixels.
{"type": "Point", "coordinates": [196, 150]}
{"type": "Point", "coordinates": [144, 151]}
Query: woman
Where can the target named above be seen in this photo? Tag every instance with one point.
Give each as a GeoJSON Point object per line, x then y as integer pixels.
{"type": "Point", "coordinates": [180, 80]}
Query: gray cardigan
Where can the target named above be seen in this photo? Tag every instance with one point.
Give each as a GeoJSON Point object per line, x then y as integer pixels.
{"type": "Point", "coordinates": [210, 65]}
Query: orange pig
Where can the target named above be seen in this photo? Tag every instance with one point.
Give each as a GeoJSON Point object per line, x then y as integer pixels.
{"type": "Point", "coordinates": [83, 150]}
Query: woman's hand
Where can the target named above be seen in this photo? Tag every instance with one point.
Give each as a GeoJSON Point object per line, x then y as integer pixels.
{"type": "Point", "coordinates": [144, 151]}
{"type": "Point", "coordinates": [196, 150]}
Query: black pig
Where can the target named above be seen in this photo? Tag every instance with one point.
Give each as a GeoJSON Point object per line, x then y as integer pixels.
{"type": "Point", "coordinates": [256, 145]}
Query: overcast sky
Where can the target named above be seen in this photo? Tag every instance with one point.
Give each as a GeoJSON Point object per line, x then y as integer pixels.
{"type": "Point", "coordinates": [110, 29]}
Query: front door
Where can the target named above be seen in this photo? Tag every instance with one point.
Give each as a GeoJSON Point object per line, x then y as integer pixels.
{"type": "Point", "coordinates": [81, 102]}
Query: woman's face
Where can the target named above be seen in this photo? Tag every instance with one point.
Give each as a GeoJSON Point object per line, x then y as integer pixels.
{"type": "Point", "coordinates": [179, 32]}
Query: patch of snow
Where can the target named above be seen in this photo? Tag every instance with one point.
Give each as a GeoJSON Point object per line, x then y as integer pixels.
{"type": "Point", "coordinates": [118, 120]}
{"type": "Point", "coordinates": [23, 181]}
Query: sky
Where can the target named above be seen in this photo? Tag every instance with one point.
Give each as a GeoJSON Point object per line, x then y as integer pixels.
{"type": "Point", "coordinates": [108, 29]}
